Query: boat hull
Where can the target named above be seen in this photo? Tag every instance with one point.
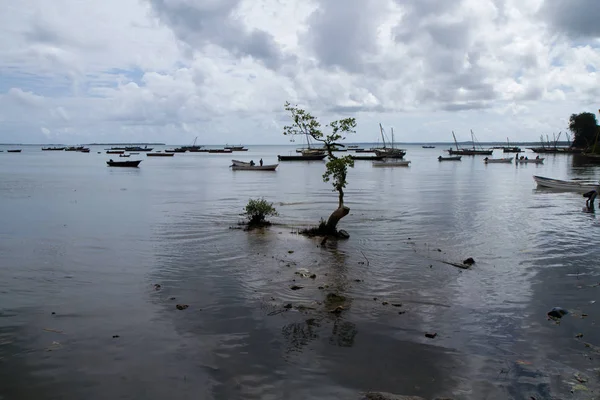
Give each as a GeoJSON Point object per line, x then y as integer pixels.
{"type": "Point", "coordinates": [464, 152]}
{"type": "Point", "coordinates": [160, 154]}
{"type": "Point", "coordinates": [391, 163]}
{"type": "Point", "coordinates": [498, 160]}
{"type": "Point", "coordinates": [13, 151]}
{"type": "Point", "coordinates": [452, 158]}
{"type": "Point", "coordinates": [271, 167]}
{"type": "Point", "coordinates": [530, 161]}
{"type": "Point", "coordinates": [128, 164]}
{"type": "Point", "coordinates": [572, 185]}
{"type": "Point", "coordinates": [312, 157]}
{"type": "Point", "coordinates": [367, 158]}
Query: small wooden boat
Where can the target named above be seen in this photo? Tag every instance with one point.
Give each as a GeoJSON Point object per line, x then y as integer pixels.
{"type": "Point", "coordinates": [132, 164]}
{"type": "Point", "coordinates": [124, 155]}
{"type": "Point", "coordinates": [160, 154]}
{"type": "Point", "coordinates": [239, 163]}
{"type": "Point", "coordinates": [74, 148]}
{"type": "Point", "coordinates": [428, 147]}
{"type": "Point", "coordinates": [249, 167]}
{"type": "Point", "coordinates": [115, 151]}
{"type": "Point", "coordinates": [85, 150]}
{"type": "Point", "coordinates": [134, 153]}
{"type": "Point", "coordinates": [573, 185]}
{"type": "Point", "coordinates": [398, 163]}
{"type": "Point", "coordinates": [368, 158]}
{"type": "Point", "coordinates": [236, 148]}
{"type": "Point", "coordinates": [53, 148]}
{"type": "Point", "coordinates": [14, 151]}
{"type": "Point", "coordinates": [449, 158]}
{"type": "Point", "coordinates": [505, 160]}
{"type": "Point", "coordinates": [220, 151]}
{"type": "Point", "coordinates": [308, 157]}
{"type": "Point", "coordinates": [539, 160]}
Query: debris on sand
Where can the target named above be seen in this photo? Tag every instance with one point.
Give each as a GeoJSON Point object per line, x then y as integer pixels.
{"type": "Point", "coordinates": [296, 287]}
{"type": "Point", "coordinates": [156, 286]}
{"type": "Point", "coordinates": [181, 306]}
{"type": "Point", "coordinates": [338, 310]}
{"type": "Point", "coordinates": [430, 335]}
{"type": "Point", "coordinates": [461, 266]}
{"type": "Point", "coordinates": [557, 313]}
{"type": "Point", "coordinates": [469, 261]}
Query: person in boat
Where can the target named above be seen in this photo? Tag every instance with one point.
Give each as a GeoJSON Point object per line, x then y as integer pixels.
{"type": "Point", "coordinates": [261, 162]}
{"type": "Point", "coordinates": [486, 159]}
{"type": "Point", "coordinates": [110, 160]}
{"type": "Point", "coordinates": [527, 158]}
{"type": "Point", "coordinates": [537, 157]}
{"type": "Point", "coordinates": [252, 163]}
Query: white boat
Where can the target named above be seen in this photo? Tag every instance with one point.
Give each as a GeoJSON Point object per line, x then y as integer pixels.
{"type": "Point", "coordinates": [249, 167]}
{"type": "Point", "coordinates": [574, 185]}
{"type": "Point", "coordinates": [449, 158]}
{"type": "Point", "coordinates": [395, 163]}
{"type": "Point", "coordinates": [529, 161]}
{"type": "Point", "coordinates": [504, 160]}
{"type": "Point", "coordinates": [239, 163]}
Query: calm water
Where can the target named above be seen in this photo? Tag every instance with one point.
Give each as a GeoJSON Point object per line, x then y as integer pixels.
{"type": "Point", "coordinates": [89, 243]}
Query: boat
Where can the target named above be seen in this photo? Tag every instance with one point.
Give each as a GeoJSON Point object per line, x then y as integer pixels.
{"type": "Point", "coordinates": [428, 147]}
{"type": "Point", "coordinates": [74, 148]}
{"type": "Point", "coordinates": [364, 151]}
{"type": "Point", "coordinates": [124, 155]}
{"type": "Point", "coordinates": [132, 164]}
{"type": "Point", "coordinates": [353, 146]}
{"type": "Point", "coordinates": [538, 160]}
{"type": "Point", "coordinates": [553, 148]}
{"type": "Point", "coordinates": [115, 151]}
{"type": "Point", "coordinates": [177, 150]}
{"type": "Point", "coordinates": [249, 167]}
{"type": "Point", "coordinates": [14, 151]}
{"type": "Point", "coordinates": [510, 149]}
{"type": "Point", "coordinates": [193, 148]}
{"type": "Point", "coordinates": [367, 158]}
{"type": "Point", "coordinates": [221, 151]}
{"type": "Point", "coordinates": [160, 154]}
{"type": "Point", "coordinates": [449, 158]}
{"type": "Point", "coordinates": [53, 148]}
{"type": "Point", "coordinates": [236, 148]}
{"type": "Point", "coordinates": [388, 152]}
{"type": "Point", "coordinates": [129, 153]}
{"type": "Point", "coordinates": [469, 152]}
{"type": "Point", "coordinates": [84, 150]}
{"type": "Point", "coordinates": [239, 163]}
{"type": "Point", "coordinates": [308, 157]}
{"type": "Point", "coordinates": [574, 185]}
{"type": "Point", "coordinates": [131, 148]}
{"type": "Point", "coordinates": [395, 163]}
{"type": "Point", "coordinates": [505, 160]}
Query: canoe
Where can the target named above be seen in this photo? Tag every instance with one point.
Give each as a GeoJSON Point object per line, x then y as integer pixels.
{"type": "Point", "coordinates": [160, 154]}
{"type": "Point", "coordinates": [220, 151]}
{"type": "Point", "coordinates": [115, 151]}
{"type": "Point", "coordinates": [239, 163]}
{"type": "Point", "coordinates": [505, 160]}
{"type": "Point", "coordinates": [451, 158]}
{"type": "Point", "coordinates": [368, 158]}
{"type": "Point", "coordinates": [428, 147]}
{"type": "Point", "coordinates": [13, 151]}
{"type": "Point", "coordinates": [310, 157]}
{"type": "Point", "coordinates": [470, 152]}
{"type": "Point", "coordinates": [574, 185]}
{"type": "Point", "coordinates": [530, 160]}
{"type": "Point", "coordinates": [271, 167]}
{"type": "Point", "coordinates": [132, 164]}
{"type": "Point", "coordinates": [391, 163]}
{"type": "Point", "coordinates": [53, 148]}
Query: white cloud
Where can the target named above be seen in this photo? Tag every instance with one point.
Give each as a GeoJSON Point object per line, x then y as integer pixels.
{"type": "Point", "coordinates": [170, 70]}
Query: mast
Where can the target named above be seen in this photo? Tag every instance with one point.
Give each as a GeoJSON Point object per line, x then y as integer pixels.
{"type": "Point", "coordinates": [473, 139]}
{"type": "Point", "coordinates": [455, 142]}
{"type": "Point", "coordinates": [382, 136]}
{"type": "Point", "coordinates": [392, 137]}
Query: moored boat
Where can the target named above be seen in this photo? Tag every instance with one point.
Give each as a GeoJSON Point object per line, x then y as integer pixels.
{"type": "Point", "coordinates": [367, 158]}
{"type": "Point", "coordinates": [573, 185]}
{"type": "Point", "coordinates": [220, 151]}
{"type": "Point", "coordinates": [308, 157]}
{"type": "Point", "coordinates": [264, 167]}
{"type": "Point", "coordinates": [449, 158]}
{"type": "Point", "coordinates": [53, 148]}
{"type": "Point", "coordinates": [132, 164]}
{"type": "Point", "coordinates": [160, 154]}
{"type": "Point", "coordinates": [14, 151]}
{"type": "Point", "coordinates": [428, 147]}
{"type": "Point", "coordinates": [115, 151]}
{"type": "Point", "coordinates": [124, 155]}
{"type": "Point", "coordinates": [505, 160]}
{"type": "Point", "coordinates": [537, 160]}
{"type": "Point", "coordinates": [236, 148]}
{"type": "Point", "coordinates": [396, 163]}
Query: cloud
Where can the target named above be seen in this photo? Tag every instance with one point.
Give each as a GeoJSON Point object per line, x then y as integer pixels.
{"type": "Point", "coordinates": [576, 18]}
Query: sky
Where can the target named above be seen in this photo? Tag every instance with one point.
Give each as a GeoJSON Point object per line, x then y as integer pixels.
{"type": "Point", "coordinates": [80, 71]}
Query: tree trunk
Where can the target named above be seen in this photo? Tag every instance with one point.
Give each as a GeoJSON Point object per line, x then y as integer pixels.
{"type": "Point", "coordinates": [335, 217]}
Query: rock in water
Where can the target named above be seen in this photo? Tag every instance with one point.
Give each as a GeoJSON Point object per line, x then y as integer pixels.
{"type": "Point", "coordinates": [557, 312]}
{"type": "Point", "coordinates": [181, 306]}
{"type": "Point", "coordinates": [343, 234]}
{"type": "Point", "coordinates": [469, 261]}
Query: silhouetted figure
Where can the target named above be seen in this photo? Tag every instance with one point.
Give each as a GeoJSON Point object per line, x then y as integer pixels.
{"type": "Point", "coordinates": [589, 203]}
{"type": "Point", "coordinates": [252, 163]}
{"type": "Point", "coordinates": [261, 162]}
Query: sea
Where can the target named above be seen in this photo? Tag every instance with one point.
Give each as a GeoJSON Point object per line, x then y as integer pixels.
{"type": "Point", "coordinates": [139, 283]}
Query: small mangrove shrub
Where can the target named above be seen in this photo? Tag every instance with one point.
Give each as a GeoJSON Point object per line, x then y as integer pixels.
{"type": "Point", "coordinates": [257, 210]}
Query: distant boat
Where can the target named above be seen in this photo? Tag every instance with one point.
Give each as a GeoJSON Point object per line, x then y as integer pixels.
{"type": "Point", "coordinates": [388, 152]}
{"type": "Point", "coordinates": [115, 151]}
{"type": "Point", "coordinates": [132, 164]}
{"type": "Point", "coordinates": [396, 163]}
{"type": "Point", "coordinates": [505, 160]}
{"type": "Point", "coordinates": [220, 151]}
{"type": "Point", "coordinates": [193, 148]}
{"type": "Point", "coordinates": [573, 185]}
{"type": "Point", "coordinates": [53, 148]}
{"type": "Point", "coordinates": [354, 146]}
{"type": "Point", "coordinates": [428, 147]}
{"type": "Point", "coordinates": [510, 149]}
{"type": "Point", "coordinates": [307, 157]}
{"type": "Point", "coordinates": [449, 158]}
{"type": "Point", "coordinates": [160, 154]}
{"type": "Point", "coordinates": [177, 150]}
{"type": "Point", "coordinates": [14, 151]}
{"type": "Point", "coordinates": [124, 155]}
{"type": "Point", "coordinates": [367, 158]}
{"type": "Point", "coordinates": [364, 151]}
{"type": "Point", "coordinates": [236, 148]}
{"type": "Point", "coordinates": [249, 167]}
{"type": "Point", "coordinates": [469, 152]}
{"type": "Point", "coordinates": [84, 150]}
{"type": "Point", "coordinates": [529, 160]}
{"type": "Point", "coordinates": [131, 148]}
{"type": "Point", "coordinates": [74, 148]}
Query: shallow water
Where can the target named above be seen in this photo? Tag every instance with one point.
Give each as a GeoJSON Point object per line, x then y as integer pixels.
{"type": "Point", "coordinates": [89, 242]}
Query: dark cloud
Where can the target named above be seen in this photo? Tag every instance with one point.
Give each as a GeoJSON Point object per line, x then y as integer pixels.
{"type": "Point", "coordinates": [577, 18]}
{"type": "Point", "coordinates": [203, 22]}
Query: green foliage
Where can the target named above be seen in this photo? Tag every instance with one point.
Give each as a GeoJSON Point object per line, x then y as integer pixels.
{"type": "Point", "coordinates": [257, 210]}
{"type": "Point", "coordinates": [584, 128]}
{"type": "Point", "coordinates": [305, 123]}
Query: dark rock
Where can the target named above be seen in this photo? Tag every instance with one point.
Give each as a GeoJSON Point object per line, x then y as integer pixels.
{"type": "Point", "coordinates": [290, 251]}
{"type": "Point", "coordinates": [343, 234]}
{"type": "Point", "coordinates": [53, 313]}
{"type": "Point", "coordinates": [430, 335]}
{"type": "Point", "coordinates": [172, 298]}
{"type": "Point", "coordinates": [397, 304]}
{"type": "Point", "coordinates": [440, 250]}
{"type": "Point", "coordinates": [181, 306]}
{"type": "Point", "coordinates": [469, 261]}
{"type": "Point", "coordinates": [401, 312]}
{"type": "Point", "coordinates": [384, 303]}
{"type": "Point", "coordinates": [338, 310]}
{"type": "Point", "coordinates": [296, 287]}
{"type": "Point", "coordinates": [321, 288]}
{"type": "Point", "coordinates": [557, 312]}
{"type": "Point", "coordinates": [579, 335]}
{"type": "Point", "coordinates": [375, 298]}
{"type": "Point", "coordinates": [313, 276]}
{"type": "Point", "coordinates": [357, 280]}
{"type": "Point", "coordinates": [115, 336]}
{"type": "Point", "coordinates": [156, 286]}
{"type": "Point", "coordinates": [288, 306]}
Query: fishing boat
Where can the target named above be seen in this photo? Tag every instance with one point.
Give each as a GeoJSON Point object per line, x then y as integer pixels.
{"type": "Point", "coordinates": [124, 155]}
{"type": "Point", "coordinates": [449, 158]}
{"type": "Point", "coordinates": [395, 163]}
{"type": "Point", "coordinates": [353, 147]}
{"type": "Point", "coordinates": [388, 152]}
{"type": "Point", "coordinates": [236, 148]}
{"type": "Point", "coordinates": [131, 148]}
{"type": "Point", "coordinates": [574, 185]}
{"type": "Point", "coordinates": [53, 148]}
{"type": "Point", "coordinates": [469, 152]}
{"type": "Point", "coordinates": [505, 160]}
{"type": "Point", "coordinates": [220, 151]}
{"type": "Point", "coordinates": [160, 154]}
{"type": "Point", "coordinates": [249, 167]}
{"type": "Point", "coordinates": [303, 157]}
{"type": "Point", "coordinates": [132, 164]}
{"type": "Point", "coordinates": [538, 160]}
{"type": "Point", "coordinates": [177, 150]}
{"type": "Point", "coordinates": [115, 151]}
{"type": "Point", "coordinates": [239, 163]}
{"type": "Point", "coordinates": [14, 151]}
{"type": "Point", "coordinates": [428, 147]}
{"type": "Point", "coordinates": [364, 151]}
{"type": "Point", "coordinates": [193, 148]}
{"type": "Point", "coordinates": [74, 148]}
{"type": "Point", "coordinates": [510, 149]}
{"type": "Point", "coordinates": [367, 158]}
